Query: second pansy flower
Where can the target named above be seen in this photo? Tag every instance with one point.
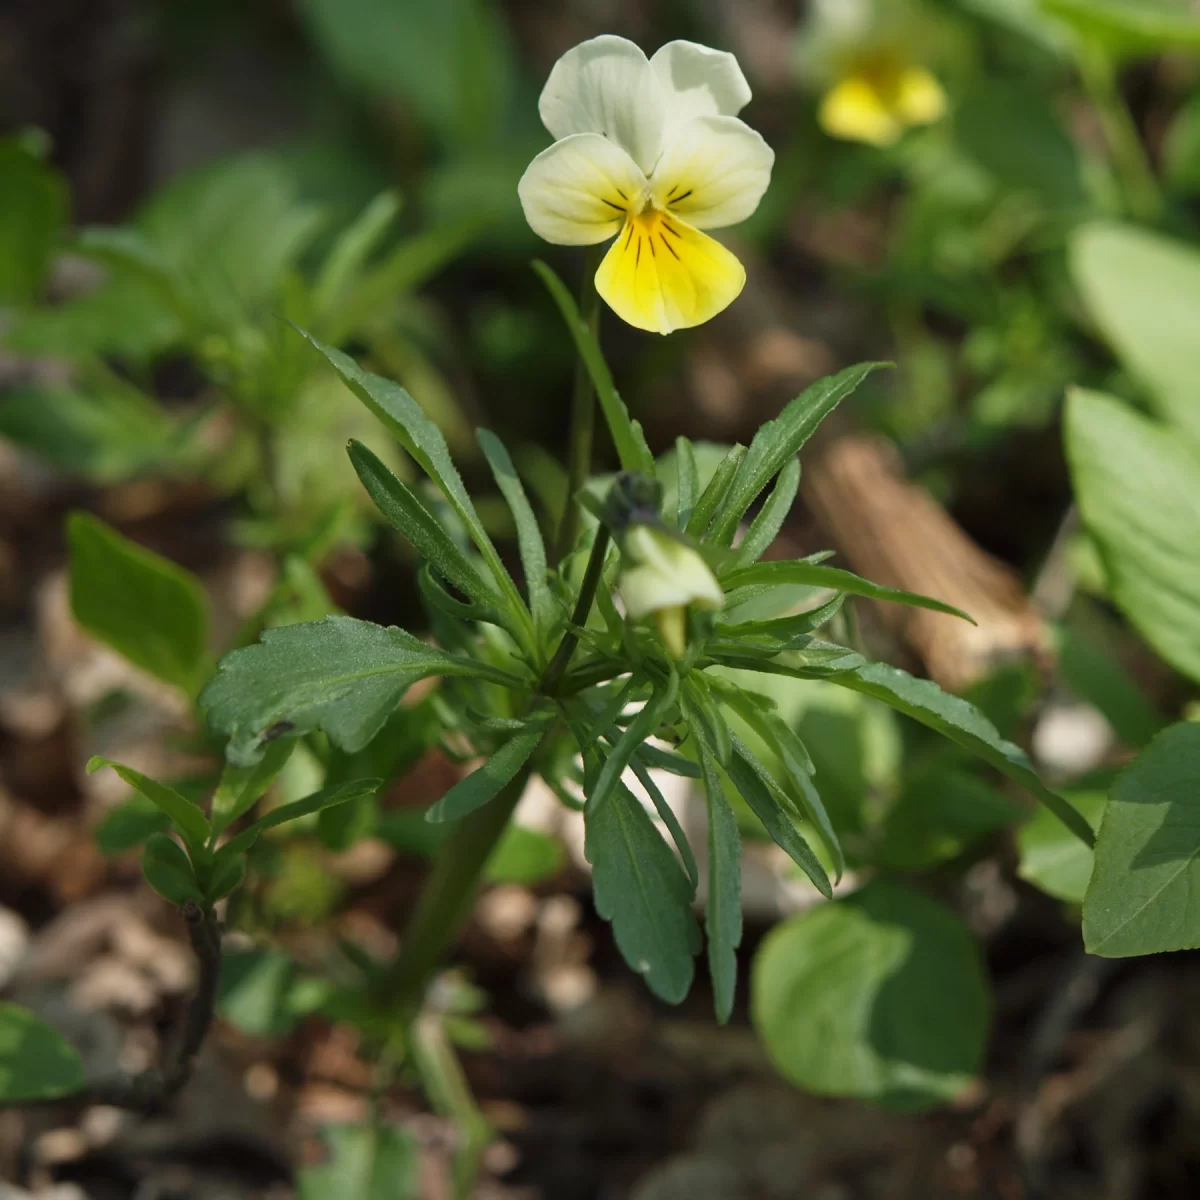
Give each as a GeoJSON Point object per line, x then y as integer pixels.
{"type": "Point", "coordinates": [649, 151]}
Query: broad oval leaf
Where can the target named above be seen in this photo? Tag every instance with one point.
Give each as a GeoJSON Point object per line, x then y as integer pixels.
{"type": "Point", "coordinates": [36, 1062]}
{"type": "Point", "coordinates": [1144, 896]}
{"type": "Point", "coordinates": [881, 995]}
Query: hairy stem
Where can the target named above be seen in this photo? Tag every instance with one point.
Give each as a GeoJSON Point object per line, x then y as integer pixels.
{"type": "Point", "coordinates": [583, 420]}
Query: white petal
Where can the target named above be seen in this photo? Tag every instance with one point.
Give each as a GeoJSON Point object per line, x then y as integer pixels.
{"type": "Point", "coordinates": [699, 82]}
{"type": "Point", "coordinates": [606, 86]}
{"type": "Point", "coordinates": [713, 172]}
{"type": "Point", "coordinates": [577, 192]}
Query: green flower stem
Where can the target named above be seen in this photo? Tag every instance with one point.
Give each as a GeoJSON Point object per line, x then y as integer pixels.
{"type": "Point", "coordinates": [450, 889]}
{"type": "Point", "coordinates": [583, 419]}
{"type": "Point", "coordinates": [1143, 196]}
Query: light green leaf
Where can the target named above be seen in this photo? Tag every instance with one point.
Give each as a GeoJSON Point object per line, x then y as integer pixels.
{"type": "Point", "coordinates": [524, 856]}
{"type": "Point", "coordinates": [397, 410]}
{"type": "Point", "coordinates": [33, 210]}
{"type": "Point", "coordinates": [350, 252]}
{"type": "Point", "coordinates": [365, 1162]}
{"type": "Point", "coordinates": [405, 512]}
{"type": "Point", "coordinates": [715, 490]}
{"type": "Point", "coordinates": [880, 996]}
{"type": "Point", "coordinates": [129, 824]}
{"type": "Point", "coordinates": [642, 890]}
{"type": "Point", "coordinates": [1140, 288]}
{"type": "Point", "coordinates": [780, 439]}
{"type": "Point", "coordinates": [687, 481]}
{"type": "Point", "coordinates": [529, 536]}
{"type": "Point", "coordinates": [1144, 896]}
{"type": "Point", "coordinates": [190, 820]}
{"type": "Point", "coordinates": [1138, 489]}
{"type": "Point", "coordinates": [36, 1062]}
{"type": "Point", "coordinates": [1054, 859]}
{"type": "Point", "coordinates": [770, 518]}
{"type": "Point", "coordinates": [1133, 27]}
{"type": "Point", "coordinates": [482, 785]}
{"type": "Point", "coordinates": [637, 732]}
{"type": "Point", "coordinates": [338, 674]}
{"type": "Point", "coordinates": [963, 724]}
{"type": "Point", "coordinates": [762, 576]}
{"type": "Point", "coordinates": [240, 787]}
{"type": "Point", "coordinates": [723, 911]}
{"type": "Point", "coordinates": [169, 871]}
{"type": "Point", "coordinates": [142, 605]}
{"type": "Point", "coordinates": [626, 433]}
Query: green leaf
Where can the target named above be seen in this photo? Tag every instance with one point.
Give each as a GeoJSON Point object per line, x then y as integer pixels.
{"type": "Point", "coordinates": [1133, 27]}
{"type": "Point", "coordinates": [404, 511]}
{"type": "Point", "coordinates": [350, 252]}
{"type": "Point", "coordinates": [36, 1062]}
{"type": "Point", "coordinates": [642, 890]}
{"type": "Point", "coordinates": [189, 819]}
{"type": "Point", "coordinates": [169, 871]}
{"type": "Point", "coordinates": [529, 536]}
{"type": "Point", "coordinates": [1144, 896]}
{"type": "Point", "coordinates": [881, 996]}
{"type": "Point", "coordinates": [763, 794]}
{"type": "Point", "coordinates": [327, 797]}
{"type": "Point", "coordinates": [240, 787]}
{"type": "Point", "coordinates": [766, 525]}
{"type": "Point", "coordinates": [365, 1162]}
{"type": "Point", "coordinates": [762, 576]}
{"type": "Point", "coordinates": [129, 825]}
{"type": "Point", "coordinates": [252, 994]}
{"type": "Point", "coordinates": [1054, 859]}
{"type": "Point", "coordinates": [666, 814]}
{"type": "Point", "coordinates": [963, 724]}
{"type": "Point", "coordinates": [641, 728]}
{"type": "Point", "coordinates": [340, 675]}
{"type": "Point", "coordinates": [626, 433]}
{"type": "Point", "coordinates": [524, 856]}
{"type": "Point", "coordinates": [715, 490]}
{"type": "Point", "coordinates": [688, 481]}
{"type": "Point", "coordinates": [227, 876]}
{"type": "Point", "coordinates": [780, 439]}
{"type": "Point", "coordinates": [1138, 490]}
{"type": "Point", "coordinates": [1139, 288]}
{"type": "Point", "coordinates": [723, 910]}
{"type": "Point", "coordinates": [33, 210]}
{"type": "Point", "coordinates": [483, 784]}
{"type": "Point", "coordinates": [397, 410]}
{"type": "Point", "coordinates": [142, 605]}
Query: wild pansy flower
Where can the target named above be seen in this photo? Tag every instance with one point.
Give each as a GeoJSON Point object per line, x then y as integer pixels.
{"type": "Point", "coordinates": [863, 52]}
{"type": "Point", "coordinates": [651, 151]}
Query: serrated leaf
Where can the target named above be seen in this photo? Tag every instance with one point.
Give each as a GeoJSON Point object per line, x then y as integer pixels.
{"type": "Point", "coordinates": [964, 724]}
{"type": "Point", "coordinates": [757, 788]}
{"type": "Point", "coordinates": [529, 535]}
{"type": "Point", "coordinates": [809, 574]}
{"type": "Point", "coordinates": [641, 889]}
{"type": "Point", "coordinates": [723, 909]}
{"type": "Point", "coordinates": [405, 512]}
{"type": "Point", "coordinates": [190, 820]}
{"type": "Point", "coordinates": [1138, 489]}
{"type": "Point", "coordinates": [169, 871]}
{"type": "Point", "coordinates": [770, 518]}
{"type": "Point", "coordinates": [485, 783]}
{"type": "Point", "coordinates": [393, 406]}
{"type": "Point", "coordinates": [1144, 895]}
{"type": "Point", "coordinates": [881, 995]}
{"type": "Point", "coordinates": [780, 439]}
{"type": "Point", "coordinates": [626, 433]}
{"type": "Point", "coordinates": [36, 1062]}
{"type": "Point", "coordinates": [340, 675]}
{"type": "Point", "coordinates": [666, 814]}
{"type": "Point", "coordinates": [149, 610]}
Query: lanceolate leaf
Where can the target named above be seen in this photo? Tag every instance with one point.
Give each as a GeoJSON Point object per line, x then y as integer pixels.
{"type": "Point", "coordinates": [482, 785]}
{"type": "Point", "coordinates": [529, 536]}
{"type": "Point", "coordinates": [1144, 896]}
{"type": "Point", "coordinates": [190, 820]}
{"type": "Point", "coordinates": [405, 512]}
{"type": "Point", "coordinates": [723, 914]}
{"type": "Point", "coordinates": [340, 675]}
{"type": "Point", "coordinates": [424, 441]}
{"type": "Point", "coordinates": [715, 491]}
{"type": "Point", "coordinates": [764, 528]}
{"type": "Point", "coordinates": [761, 576]}
{"type": "Point", "coordinates": [963, 723]}
{"type": "Point", "coordinates": [626, 433]}
{"type": "Point", "coordinates": [779, 440]}
{"type": "Point", "coordinates": [688, 485]}
{"type": "Point", "coordinates": [240, 787]}
{"type": "Point", "coordinates": [642, 890]}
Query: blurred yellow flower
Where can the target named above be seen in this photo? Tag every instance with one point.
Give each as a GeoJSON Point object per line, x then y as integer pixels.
{"type": "Point", "coordinates": [880, 100]}
{"type": "Point", "coordinates": [649, 150]}
{"type": "Point", "coordinates": [661, 577]}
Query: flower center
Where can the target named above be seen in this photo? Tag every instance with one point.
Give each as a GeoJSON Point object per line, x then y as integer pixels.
{"type": "Point", "coordinates": [652, 231]}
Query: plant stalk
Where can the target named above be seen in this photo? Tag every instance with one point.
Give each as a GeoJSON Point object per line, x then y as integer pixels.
{"type": "Point", "coordinates": [583, 420]}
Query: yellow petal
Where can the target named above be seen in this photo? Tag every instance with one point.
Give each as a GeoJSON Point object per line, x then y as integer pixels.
{"type": "Point", "coordinates": [672, 628]}
{"type": "Point", "coordinates": [855, 110]}
{"type": "Point", "coordinates": [661, 274]}
{"type": "Point", "coordinates": [920, 99]}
